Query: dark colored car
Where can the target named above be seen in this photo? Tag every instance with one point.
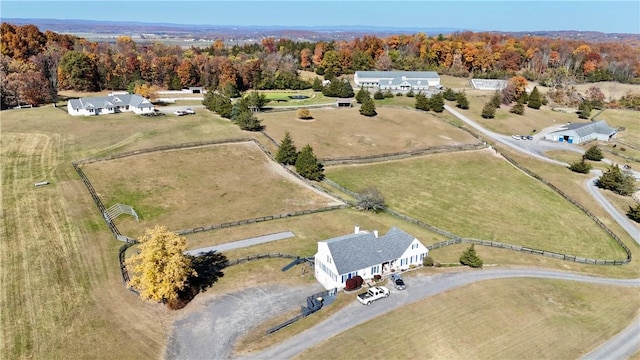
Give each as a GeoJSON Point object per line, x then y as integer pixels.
{"type": "Point", "coordinates": [529, 137]}
{"type": "Point", "coordinates": [397, 281]}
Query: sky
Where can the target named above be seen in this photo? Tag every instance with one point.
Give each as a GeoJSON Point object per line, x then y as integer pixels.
{"type": "Point", "coordinates": [506, 15]}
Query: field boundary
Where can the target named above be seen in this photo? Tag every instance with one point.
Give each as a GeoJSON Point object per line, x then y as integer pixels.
{"type": "Point", "coordinates": [401, 154]}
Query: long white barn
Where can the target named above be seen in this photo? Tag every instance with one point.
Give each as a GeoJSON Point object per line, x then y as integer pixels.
{"type": "Point", "coordinates": [365, 254]}
{"type": "Point", "coordinates": [398, 80]}
{"type": "Point", "coordinates": [111, 104]}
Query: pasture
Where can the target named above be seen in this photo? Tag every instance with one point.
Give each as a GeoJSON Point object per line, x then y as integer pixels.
{"type": "Point", "coordinates": [477, 194]}
{"type": "Point", "coordinates": [496, 319]}
{"type": "Point", "coordinates": [62, 293]}
{"type": "Point", "coordinates": [198, 187]}
{"type": "Point", "coordinates": [344, 132]}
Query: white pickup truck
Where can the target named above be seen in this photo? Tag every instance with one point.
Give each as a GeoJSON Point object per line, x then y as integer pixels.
{"type": "Point", "coordinates": [373, 294]}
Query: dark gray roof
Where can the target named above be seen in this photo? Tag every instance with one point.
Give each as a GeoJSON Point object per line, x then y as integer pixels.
{"type": "Point", "coordinates": [107, 102]}
{"type": "Point", "coordinates": [584, 129]}
{"type": "Point", "coordinates": [398, 74]}
{"type": "Point", "coordinates": [358, 251]}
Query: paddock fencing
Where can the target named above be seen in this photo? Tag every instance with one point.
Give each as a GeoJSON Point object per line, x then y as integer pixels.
{"type": "Point", "coordinates": [313, 305]}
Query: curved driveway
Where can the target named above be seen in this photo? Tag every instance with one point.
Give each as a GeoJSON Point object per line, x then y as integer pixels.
{"type": "Point", "coordinates": [419, 288]}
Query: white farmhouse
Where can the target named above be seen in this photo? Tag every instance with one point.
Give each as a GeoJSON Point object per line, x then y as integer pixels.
{"type": "Point", "coordinates": [114, 103]}
{"type": "Point", "coordinates": [576, 133]}
{"type": "Point", "coordinates": [365, 254]}
{"type": "Point", "coordinates": [398, 80]}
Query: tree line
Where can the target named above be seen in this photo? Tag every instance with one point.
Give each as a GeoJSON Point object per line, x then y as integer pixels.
{"type": "Point", "coordinates": [35, 65]}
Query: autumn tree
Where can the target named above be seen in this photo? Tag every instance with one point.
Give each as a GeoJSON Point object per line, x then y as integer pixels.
{"type": "Point", "coordinates": [304, 114]}
{"type": "Point", "coordinates": [145, 90]}
{"type": "Point", "coordinates": [160, 269]}
{"type": "Point", "coordinates": [287, 153]}
{"type": "Point", "coordinates": [77, 71]}
{"type": "Point", "coordinates": [595, 97]}
{"type": "Point", "coordinates": [308, 166]}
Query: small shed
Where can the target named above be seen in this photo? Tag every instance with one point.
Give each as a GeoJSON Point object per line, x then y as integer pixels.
{"type": "Point", "coordinates": [343, 102]}
{"type": "Point", "coordinates": [196, 90]}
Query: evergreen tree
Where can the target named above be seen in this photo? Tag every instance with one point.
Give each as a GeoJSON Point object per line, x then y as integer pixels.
{"type": "Point", "coordinates": [287, 153]}
{"type": "Point", "coordinates": [362, 95]}
{"type": "Point", "coordinates": [496, 100]}
{"type": "Point", "coordinates": [307, 165]}
{"type": "Point", "coordinates": [317, 84]}
{"type": "Point", "coordinates": [634, 213]}
{"type": "Point", "coordinates": [218, 103]}
{"type": "Point", "coordinates": [617, 181]}
{"type": "Point", "coordinates": [489, 110]}
{"type": "Point", "coordinates": [347, 90]}
{"type": "Point", "coordinates": [422, 103]}
{"type": "Point", "coordinates": [461, 100]}
{"type": "Point", "coordinates": [436, 103]}
{"type": "Point", "coordinates": [580, 167]}
{"type": "Point", "coordinates": [535, 100]}
{"type": "Point", "coordinates": [256, 100]}
{"type": "Point", "coordinates": [378, 95]}
{"type": "Point", "coordinates": [584, 110]}
{"type": "Point", "coordinates": [411, 93]}
{"type": "Point", "coordinates": [161, 268]}
{"type": "Point", "coordinates": [368, 107]}
{"type": "Point", "coordinates": [517, 108]}
{"type": "Point", "coordinates": [470, 258]}
{"type": "Point", "coordinates": [449, 94]}
{"type": "Point", "coordinates": [246, 120]}
{"type": "Point", "coordinates": [594, 153]}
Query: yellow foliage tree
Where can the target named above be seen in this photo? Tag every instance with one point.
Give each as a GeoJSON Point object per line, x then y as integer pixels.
{"type": "Point", "coordinates": [146, 90]}
{"type": "Point", "coordinates": [161, 268]}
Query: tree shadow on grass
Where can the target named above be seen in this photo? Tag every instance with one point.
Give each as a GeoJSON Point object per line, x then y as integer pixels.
{"type": "Point", "coordinates": [208, 267]}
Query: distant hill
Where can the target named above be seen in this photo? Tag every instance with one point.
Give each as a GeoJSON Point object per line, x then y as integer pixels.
{"type": "Point", "coordinates": [299, 33]}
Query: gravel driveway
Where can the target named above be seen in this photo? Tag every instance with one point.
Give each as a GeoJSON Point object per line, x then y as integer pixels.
{"type": "Point", "coordinates": [210, 330]}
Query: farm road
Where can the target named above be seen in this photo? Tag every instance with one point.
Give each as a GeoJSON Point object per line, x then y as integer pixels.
{"type": "Point", "coordinates": [210, 331]}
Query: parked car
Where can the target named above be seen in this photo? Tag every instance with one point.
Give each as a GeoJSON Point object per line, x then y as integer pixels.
{"type": "Point", "coordinates": [373, 294]}
{"type": "Point", "coordinates": [529, 137]}
{"type": "Point", "coordinates": [517, 137]}
{"type": "Point", "coordinates": [180, 112]}
{"type": "Point", "coordinates": [189, 111]}
{"type": "Point", "coordinates": [397, 281]}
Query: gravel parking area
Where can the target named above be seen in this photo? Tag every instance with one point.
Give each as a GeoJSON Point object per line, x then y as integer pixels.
{"type": "Point", "coordinates": [210, 328]}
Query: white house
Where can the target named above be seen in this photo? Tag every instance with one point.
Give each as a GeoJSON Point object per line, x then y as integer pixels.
{"type": "Point", "coordinates": [365, 254]}
{"type": "Point", "coordinates": [575, 133]}
{"type": "Point", "coordinates": [398, 80]}
{"type": "Point", "coordinates": [110, 104]}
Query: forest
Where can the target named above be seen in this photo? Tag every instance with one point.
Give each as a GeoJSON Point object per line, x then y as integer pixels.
{"type": "Point", "coordinates": [35, 65]}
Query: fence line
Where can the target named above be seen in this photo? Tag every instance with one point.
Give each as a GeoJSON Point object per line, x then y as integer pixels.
{"type": "Point", "coordinates": [401, 154]}
{"type": "Point", "coordinates": [257, 220]}
{"type": "Point", "coordinates": [245, 259]}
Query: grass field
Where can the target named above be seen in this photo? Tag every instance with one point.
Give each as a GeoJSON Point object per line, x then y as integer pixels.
{"type": "Point", "coordinates": [281, 98]}
{"type": "Point", "coordinates": [457, 192]}
{"type": "Point", "coordinates": [497, 319]}
{"type": "Point", "coordinates": [198, 187]}
{"type": "Point", "coordinates": [344, 132]}
{"type": "Point", "coordinates": [61, 292]}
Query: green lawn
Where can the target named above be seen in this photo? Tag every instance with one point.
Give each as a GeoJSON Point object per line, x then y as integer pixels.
{"type": "Point", "coordinates": [479, 195]}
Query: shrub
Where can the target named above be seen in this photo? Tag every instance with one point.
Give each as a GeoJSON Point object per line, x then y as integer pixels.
{"type": "Point", "coordinates": [359, 280]}
{"type": "Point", "coordinates": [412, 266]}
{"type": "Point", "coordinates": [350, 284]}
{"type": "Point", "coordinates": [377, 277]}
{"type": "Point", "coordinates": [489, 111]}
{"type": "Point", "coordinates": [618, 181]}
{"type": "Point", "coordinates": [388, 94]}
{"type": "Point", "coordinates": [437, 264]}
{"type": "Point", "coordinates": [399, 94]}
{"type": "Point", "coordinates": [427, 261]}
{"type": "Point", "coordinates": [304, 114]}
{"type": "Point", "coordinates": [411, 93]}
{"type": "Point", "coordinates": [378, 95]}
{"type": "Point", "coordinates": [517, 108]}
{"type": "Point", "coordinates": [634, 213]}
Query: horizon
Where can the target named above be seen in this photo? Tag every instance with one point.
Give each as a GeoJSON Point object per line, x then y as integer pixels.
{"type": "Point", "coordinates": [479, 16]}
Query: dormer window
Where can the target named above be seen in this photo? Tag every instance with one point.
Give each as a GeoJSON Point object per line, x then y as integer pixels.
{"type": "Point", "coordinates": [329, 259]}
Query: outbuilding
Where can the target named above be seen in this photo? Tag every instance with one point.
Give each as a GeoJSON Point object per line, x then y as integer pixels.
{"type": "Point", "coordinates": [576, 133]}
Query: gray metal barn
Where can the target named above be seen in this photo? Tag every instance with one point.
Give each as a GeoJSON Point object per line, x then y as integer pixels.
{"type": "Point", "coordinates": [576, 133]}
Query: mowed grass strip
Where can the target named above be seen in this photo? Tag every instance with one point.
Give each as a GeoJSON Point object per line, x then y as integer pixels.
{"type": "Point", "coordinates": [344, 132]}
{"type": "Point", "coordinates": [477, 194]}
{"type": "Point", "coordinates": [496, 319]}
{"type": "Point", "coordinates": [198, 187]}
